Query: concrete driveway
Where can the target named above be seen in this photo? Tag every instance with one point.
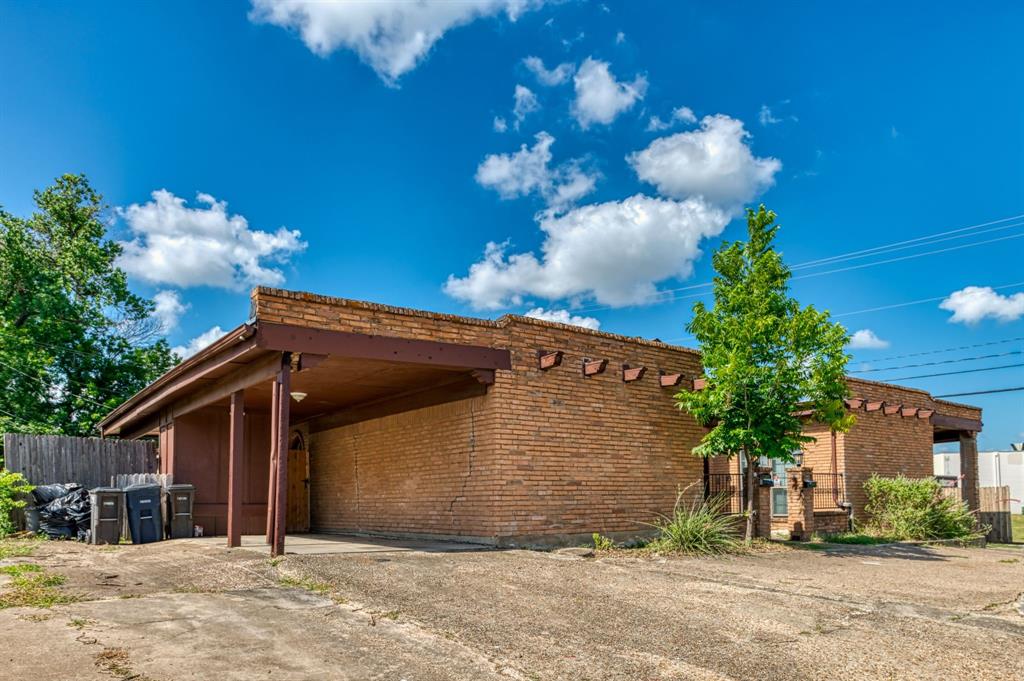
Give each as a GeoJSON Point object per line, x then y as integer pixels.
{"type": "Point", "coordinates": [185, 610]}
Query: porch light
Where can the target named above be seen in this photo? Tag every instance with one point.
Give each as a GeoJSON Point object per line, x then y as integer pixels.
{"type": "Point", "coordinates": [298, 397]}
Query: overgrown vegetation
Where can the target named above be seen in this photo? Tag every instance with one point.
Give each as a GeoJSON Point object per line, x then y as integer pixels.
{"type": "Point", "coordinates": [602, 543]}
{"type": "Point", "coordinates": [31, 587]}
{"type": "Point", "coordinates": [13, 487]}
{"type": "Point", "coordinates": [18, 548]}
{"type": "Point", "coordinates": [905, 508]}
{"type": "Point", "coordinates": [696, 527]}
{"type": "Point", "coordinates": [855, 538]}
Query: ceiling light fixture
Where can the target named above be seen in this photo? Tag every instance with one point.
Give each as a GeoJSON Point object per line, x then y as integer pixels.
{"type": "Point", "coordinates": [298, 397]}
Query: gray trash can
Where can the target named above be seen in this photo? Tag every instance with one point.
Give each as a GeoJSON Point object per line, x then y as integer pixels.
{"type": "Point", "coordinates": [107, 511]}
{"type": "Point", "coordinates": [179, 510]}
{"type": "Point", "coordinates": [144, 518]}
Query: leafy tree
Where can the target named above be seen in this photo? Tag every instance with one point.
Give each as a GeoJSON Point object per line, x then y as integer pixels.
{"type": "Point", "coordinates": [764, 357]}
{"type": "Point", "coordinates": [74, 341]}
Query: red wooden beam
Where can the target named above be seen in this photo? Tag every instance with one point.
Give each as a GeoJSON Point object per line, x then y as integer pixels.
{"type": "Point", "coordinates": [908, 411]}
{"type": "Point", "coordinates": [549, 360]}
{"type": "Point", "coordinates": [630, 374]}
{"type": "Point", "coordinates": [873, 406]}
{"type": "Point", "coordinates": [890, 409]}
{"type": "Point", "coordinates": [289, 338]}
{"type": "Point", "coordinates": [669, 380]}
{"type": "Point", "coordinates": [925, 413]}
{"type": "Point", "coordinates": [236, 473]}
{"type": "Point", "coordinates": [854, 402]}
{"type": "Point", "coordinates": [700, 383]}
{"type": "Point", "coordinates": [594, 367]}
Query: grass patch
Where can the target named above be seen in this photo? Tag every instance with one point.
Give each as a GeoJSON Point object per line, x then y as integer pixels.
{"type": "Point", "coordinates": [1010, 561]}
{"type": "Point", "coordinates": [33, 589]}
{"type": "Point", "coordinates": [18, 548]}
{"type": "Point", "coordinates": [697, 527]}
{"type": "Point", "coordinates": [307, 584]}
{"type": "Point", "coordinates": [20, 569]}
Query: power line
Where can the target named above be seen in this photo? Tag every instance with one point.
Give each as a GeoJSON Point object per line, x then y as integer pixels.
{"type": "Point", "coordinates": [911, 241]}
{"type": "Point", "coordinates": [915, 302]}
{"type": "Point", "coordinates": [936, 352]}
{"type": "Point", "coordinates": [983, 392]}
{"type": "Point", "coordinates": [951, 373]}
{"type": "Point", "coordinates": [942, 361]}
{"type": "Point", "coordinates": [903, 258]}
{"type": "Point", "coordinates": [46, 385]}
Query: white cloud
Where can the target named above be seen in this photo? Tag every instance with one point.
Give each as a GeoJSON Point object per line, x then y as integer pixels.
{"type": "Point", "coordinates": [500, 124]}
{"type": "Point", "coordinates": [865, 339]}
{"type": "Point", "coordinates": [525, 103]}
{"type": "Point", "coordinates": [972, 304]}
{"type": "Point", "coordinates": [168, 310]}
{"type": "Point", "coordinates": [766, 117]}
{"type": "Point", "coordinates": [714, 162]}
{"type": "Point", "coordinates": [552, 77]}
{"type": "Point", "coordinates": [564, 317]}
{"type": "Point", "coordinates": [599, 97]}
{"type": "Point", "coordinates": [614, 252]}
{"type": "Point", "coordinates": [203, 246]}
{"type": "Point", "coordinates": [198, 343]}
{"type": "Point", "coordinates": [682, 114]}
{"type": "Point", "coordinates": [391, 36]}
{"type": "Point", "coordinates": [620, 38]}
{"type": "Point", "coordinates": [527, 171]}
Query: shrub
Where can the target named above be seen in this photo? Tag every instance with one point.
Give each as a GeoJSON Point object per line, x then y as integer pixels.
{"type": "Point", "coordinates": [602, 543]}
{"type": "Point", "coordinates": [12, 487]}
{"type": "Point", "coordinates": [697, 527]}
{"type": "Point", "coordinates": [905, 508]}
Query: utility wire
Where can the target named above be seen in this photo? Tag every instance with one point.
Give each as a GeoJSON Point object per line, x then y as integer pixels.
{"type": "Point", "coordinates": [936, 352]}
{"type": "Point", "coordinates": [983, 392]}
{"type": "Point", "coordinates": [942, 361]}
{"type": "Point", "coordinates": [46, 385]}
{"type": "Point", "coordinates": [912, 256]}
{"type": "Point", "coordinates": [951, 373]}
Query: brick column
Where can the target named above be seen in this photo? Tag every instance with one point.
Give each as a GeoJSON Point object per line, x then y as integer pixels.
{"type": "Point", "coordinates": [969, 470]}
{"type": "Point", "coordinates": [800, 502]}
{"type": "Point", "coordinates": [762, 506]}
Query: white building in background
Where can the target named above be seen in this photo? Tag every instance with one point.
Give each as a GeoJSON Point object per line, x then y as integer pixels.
{"type": "Point", "coordinates": [995, 469]}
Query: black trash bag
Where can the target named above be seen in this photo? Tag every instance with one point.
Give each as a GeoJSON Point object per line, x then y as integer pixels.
{"type": "Point", "coordinates": [44, 494]}
{"type": "Point", "coordinates": [67, 517]}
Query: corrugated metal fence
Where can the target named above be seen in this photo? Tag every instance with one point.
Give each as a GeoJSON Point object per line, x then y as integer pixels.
{"type": "Point", "coordinates": [89, 461]}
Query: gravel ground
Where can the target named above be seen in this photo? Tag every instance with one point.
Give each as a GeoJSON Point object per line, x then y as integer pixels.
{"type": "Point", "coordinates": [176, 610]}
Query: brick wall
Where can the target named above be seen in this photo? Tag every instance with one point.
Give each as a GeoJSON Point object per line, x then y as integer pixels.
{"type": "Point", "coordinates": [545, 454]}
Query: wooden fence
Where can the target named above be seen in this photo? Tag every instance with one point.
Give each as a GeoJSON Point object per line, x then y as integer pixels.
{"type": "Point", "coordinates": [995, 511]}
{"type": "Point", "coordinates": [89, 461]}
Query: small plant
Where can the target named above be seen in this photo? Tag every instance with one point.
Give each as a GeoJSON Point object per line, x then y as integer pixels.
{"type": "Point", "coordinates": [307, 584]}
{"type": "Point", "coordinates": [697, 527]}
{"type": "Point", "coordinates": [13, 486]}
{"type": "Point", "coordinates": [602, 543]}
{"type": "Point", "coordinates": [905, 508]}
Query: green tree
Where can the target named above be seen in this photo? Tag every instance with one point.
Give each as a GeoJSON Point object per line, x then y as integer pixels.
{"type": "Point", "coordinates": [74, 341]}
{"type": "Point", "coordinates": [764, 357]}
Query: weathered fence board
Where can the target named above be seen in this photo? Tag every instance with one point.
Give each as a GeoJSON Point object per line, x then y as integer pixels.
{"type": "Point", "coordinates": [995, 512]}
{"type": "Point", "coordinates": [89, 461]}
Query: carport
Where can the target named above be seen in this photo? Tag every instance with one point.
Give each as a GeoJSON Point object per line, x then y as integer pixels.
{"type": "Point", "coordinates": [264, 378]}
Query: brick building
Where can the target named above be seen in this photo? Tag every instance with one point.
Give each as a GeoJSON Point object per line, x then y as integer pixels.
{"type": "Point", "coordinates": [398, 421]}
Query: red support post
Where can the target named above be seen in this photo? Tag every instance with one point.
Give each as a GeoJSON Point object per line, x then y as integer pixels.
{"type": "Point", "coordinates": [236, 473]}
{"type": "Point", "coordinates": [272, 472]}
{"type": "Point", "coordinates": [283, 385]}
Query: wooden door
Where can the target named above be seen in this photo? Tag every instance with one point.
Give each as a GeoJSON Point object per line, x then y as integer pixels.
{"type": "Point", "coordinates": [297, 517]}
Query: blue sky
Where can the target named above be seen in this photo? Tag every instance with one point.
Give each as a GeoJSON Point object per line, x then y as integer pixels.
{"type": "Point", "coordinates": [362, 163]}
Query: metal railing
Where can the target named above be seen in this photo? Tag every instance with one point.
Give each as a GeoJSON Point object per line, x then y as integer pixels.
{"type": "Point", "coordinates": [830, 491]}
{"type": "Point", "coordinates": [728, 486]}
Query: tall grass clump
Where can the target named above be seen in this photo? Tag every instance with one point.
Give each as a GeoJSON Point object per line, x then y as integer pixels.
{"type": "Point", "coordinates": [697, 527]}
{"type": "Point", "coordinates": [13, 488]}
{"type": "Point", "coordinates": [906, 508]}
